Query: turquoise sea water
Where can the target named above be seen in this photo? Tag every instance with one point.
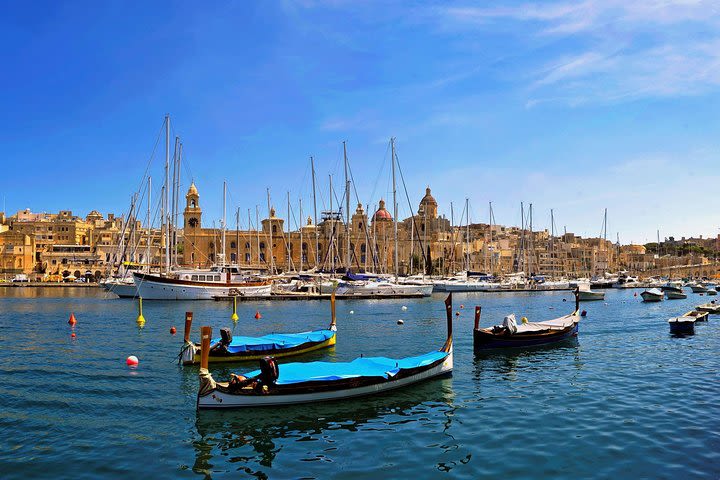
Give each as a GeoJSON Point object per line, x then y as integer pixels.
{"type": "Point", "coordinates": [626, 400]}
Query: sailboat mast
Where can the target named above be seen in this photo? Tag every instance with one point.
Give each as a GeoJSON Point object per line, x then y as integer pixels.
{"type": "Point", "coordinates": [270, 241]}
{"type": "Point", "coordinates": [331, 243]}
{"type": "Point", "coordinates": [467, 232]}
{"type": "Point", "coordinates": [257, 231]}
{"type": "Point", "coordinates": [395, 210]}
{"type": "Point", "coordinates": [531, 249]}
{"type": "Point", "coordinates": [223, 223]}
{"type": "Point", "coordinates": [522, 238]}
{"type": "Point", "coordinates": [166, 196]}
{"type": "Point", "coordinates": [490, 243]}
{"type": "Point", "coordinates": [301, 234]}
{"type": "Point", "coordinates": [347, 210]}
{"type": "Point", "coordinates": [317, 233]}
{"type": "Point", "coordinates": [237, 236]}
{"type": "Point", "coordinates": [289, 260]}
{"type": "Point", "coordinates": [149, 227]}
{"type": "Point", "coordinates": [452, 229]}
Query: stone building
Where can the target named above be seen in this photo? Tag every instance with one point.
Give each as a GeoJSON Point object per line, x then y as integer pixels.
{"type": "Point", "coordinates": [17, 253]}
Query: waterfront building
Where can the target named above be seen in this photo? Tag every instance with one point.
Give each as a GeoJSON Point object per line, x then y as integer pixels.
{"type": "Point", "coordinates": [17, 253]}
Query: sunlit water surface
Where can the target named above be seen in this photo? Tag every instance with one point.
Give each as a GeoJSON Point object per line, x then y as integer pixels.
{"type": "Point", "coordinates": [626, 400]}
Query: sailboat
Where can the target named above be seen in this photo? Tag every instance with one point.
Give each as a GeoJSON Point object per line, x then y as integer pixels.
{"type": "Point", "coordinates": [192, 284]}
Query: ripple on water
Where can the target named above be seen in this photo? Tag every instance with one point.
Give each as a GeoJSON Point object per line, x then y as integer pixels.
{"type": "Point", "coordinates": [625, 400]}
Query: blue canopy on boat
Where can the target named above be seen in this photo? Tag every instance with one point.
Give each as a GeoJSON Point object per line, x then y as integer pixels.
{"type": "Point", "coordinates": [276, 341]}
{"type": "Point", "coordinates": [383, 367]}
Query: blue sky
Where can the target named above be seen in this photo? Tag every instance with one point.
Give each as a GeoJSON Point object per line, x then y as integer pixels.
{"type": "Point", "coordinates": [574, 106]}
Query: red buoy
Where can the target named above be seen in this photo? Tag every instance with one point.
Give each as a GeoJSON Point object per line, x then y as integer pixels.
{"type": "Point", "coordinates": [72, 335]}
{"type": "Point", "coordinates": [132, 361]}
{"type": "Point", "coordinates": [462, 306]}
{"type": "Point", "coordinates": [72, 320]}
{"type": "Point", "coordinates": [635, 295]}
{"type": "Point", "coordinates": [457, 314]}
{"type": "Point", "coordinates": [257, 315]}
{"type": "Point", "coordinates": [173, 330]}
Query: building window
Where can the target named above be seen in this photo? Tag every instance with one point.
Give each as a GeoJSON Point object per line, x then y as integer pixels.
{"type": "Point", "coordinates": [274, 229]}
{"type": "Point", "coordinates": [262, 256]}
{"type": "Point", "coordinates": [232, 257]}
{"type": "Point", "coordinates": [247, 245]}
{"type": "Point", "coordinates": [262, 245]}
{"type": "Point", "coordinates": [247, 257]}
{"type": "Point", "coordinates": [233, 245]}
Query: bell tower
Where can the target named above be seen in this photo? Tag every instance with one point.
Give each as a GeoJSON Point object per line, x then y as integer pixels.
{"type": "Point", "coordinates": [193, 212]}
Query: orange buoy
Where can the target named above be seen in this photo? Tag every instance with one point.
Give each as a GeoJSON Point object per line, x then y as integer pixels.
{"type": "Point", "coordinates": [173, 330]}
{"type": "Point", "coordinates": [72, 335]}
{"type": "Point", "coordinates": [132, 361]}
{"type": "Point", "coordinates": [257, 315]}
{"type": "Point", "coordinates": [72, 320]}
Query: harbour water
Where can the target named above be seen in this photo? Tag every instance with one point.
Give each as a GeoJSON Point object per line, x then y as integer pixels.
{"type": "Point", "coordinates": [626, 400]}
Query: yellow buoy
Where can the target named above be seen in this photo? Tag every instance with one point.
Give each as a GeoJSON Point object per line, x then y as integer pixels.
{"type": "Point", "coordinates": [524, 320]}
{"type": "Point", "coordinates": [234, 317]}
{"type": "Point", "coordinates": [140, 318]}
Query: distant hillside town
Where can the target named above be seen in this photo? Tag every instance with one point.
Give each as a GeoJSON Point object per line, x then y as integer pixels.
{"type": "Point", "coordinates": [61, 246]}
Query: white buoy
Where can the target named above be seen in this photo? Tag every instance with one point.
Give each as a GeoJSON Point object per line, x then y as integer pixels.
{"type": "Point", "coordinates": [403, 308]}
{"type": "Point", "coordinates": [400, 322]}
{"type": "Point", "coordinates": [352, 311]}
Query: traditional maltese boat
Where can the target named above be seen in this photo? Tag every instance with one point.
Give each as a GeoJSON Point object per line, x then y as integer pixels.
{"type": "Point", "coordinates": [229, 348]}
{"type": "Point", "coordinates": [526, 334]}
{"type": "Point", "coordinates": [711, 307]}
{"type": "Point", "coordinates": [295, 383]}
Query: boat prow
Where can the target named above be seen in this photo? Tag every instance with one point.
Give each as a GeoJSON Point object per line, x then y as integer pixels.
{"type": "Point", "coordinates": [296, 383]}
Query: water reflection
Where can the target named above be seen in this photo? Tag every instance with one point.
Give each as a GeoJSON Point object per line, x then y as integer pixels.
{"type": "Point", "coordinates": [507, 362]}
{"type": "Point", "coordinates": [255, 437]}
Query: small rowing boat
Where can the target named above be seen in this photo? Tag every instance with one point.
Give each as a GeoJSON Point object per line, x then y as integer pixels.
{"type": "Point", "coordinates": [586, 294]}
{"type": "Point", "coordinates": [711, 307]}
{"type": "Point", "coordinates": [527, 334]}
{"type": "Point", "coordinates": [652, 295]}
{"type": "Point", "coordinates": [229, 348]}
{"type": "Point", "coordinates": [686, 322]}
{"type": "Point", "coordinates": [675, 295]}
{"type": "Point", "coordinates": [296, 383]}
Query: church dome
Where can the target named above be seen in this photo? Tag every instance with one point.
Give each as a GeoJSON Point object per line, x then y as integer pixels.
{"type": "Point", "coordinates": [428, 198]}
{"type": "Point", "coordinates": [192, 190]}
{"type": "Point", "coordinates": [382, 213]}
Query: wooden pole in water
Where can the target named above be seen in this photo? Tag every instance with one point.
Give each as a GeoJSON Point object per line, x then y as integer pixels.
{"type": "Point", "coordinates": [477, 317]}
{"type": "Point", "coordinates": [205, 335]}
{"type": "Point", "coordinates": [188, 325]}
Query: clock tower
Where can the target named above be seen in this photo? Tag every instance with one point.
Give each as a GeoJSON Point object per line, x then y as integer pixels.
{"type": "Point", "coordinates": [193, 212]}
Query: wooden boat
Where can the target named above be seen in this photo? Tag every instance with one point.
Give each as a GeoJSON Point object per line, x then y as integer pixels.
{"type": "Point", "coordinates": [296, 383]}
{"type": "Point", "coordinates": [586, 294]}
{"type": "Point", "coordinates": [510, 335]}
{"type": "Point", "coordinates": [652, 295]}
{"type": "Point", "coordinates": [675, 295]}
{"type": "Point", "coordinates": [237, 349]}
{"type": "Point", "coordinates": [711, 307]}
{"type": "Point", "coordinates": [682, 325]}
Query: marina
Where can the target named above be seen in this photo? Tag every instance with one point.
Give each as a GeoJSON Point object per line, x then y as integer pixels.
{"type": "Point", "coordinates": [647, 407]}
